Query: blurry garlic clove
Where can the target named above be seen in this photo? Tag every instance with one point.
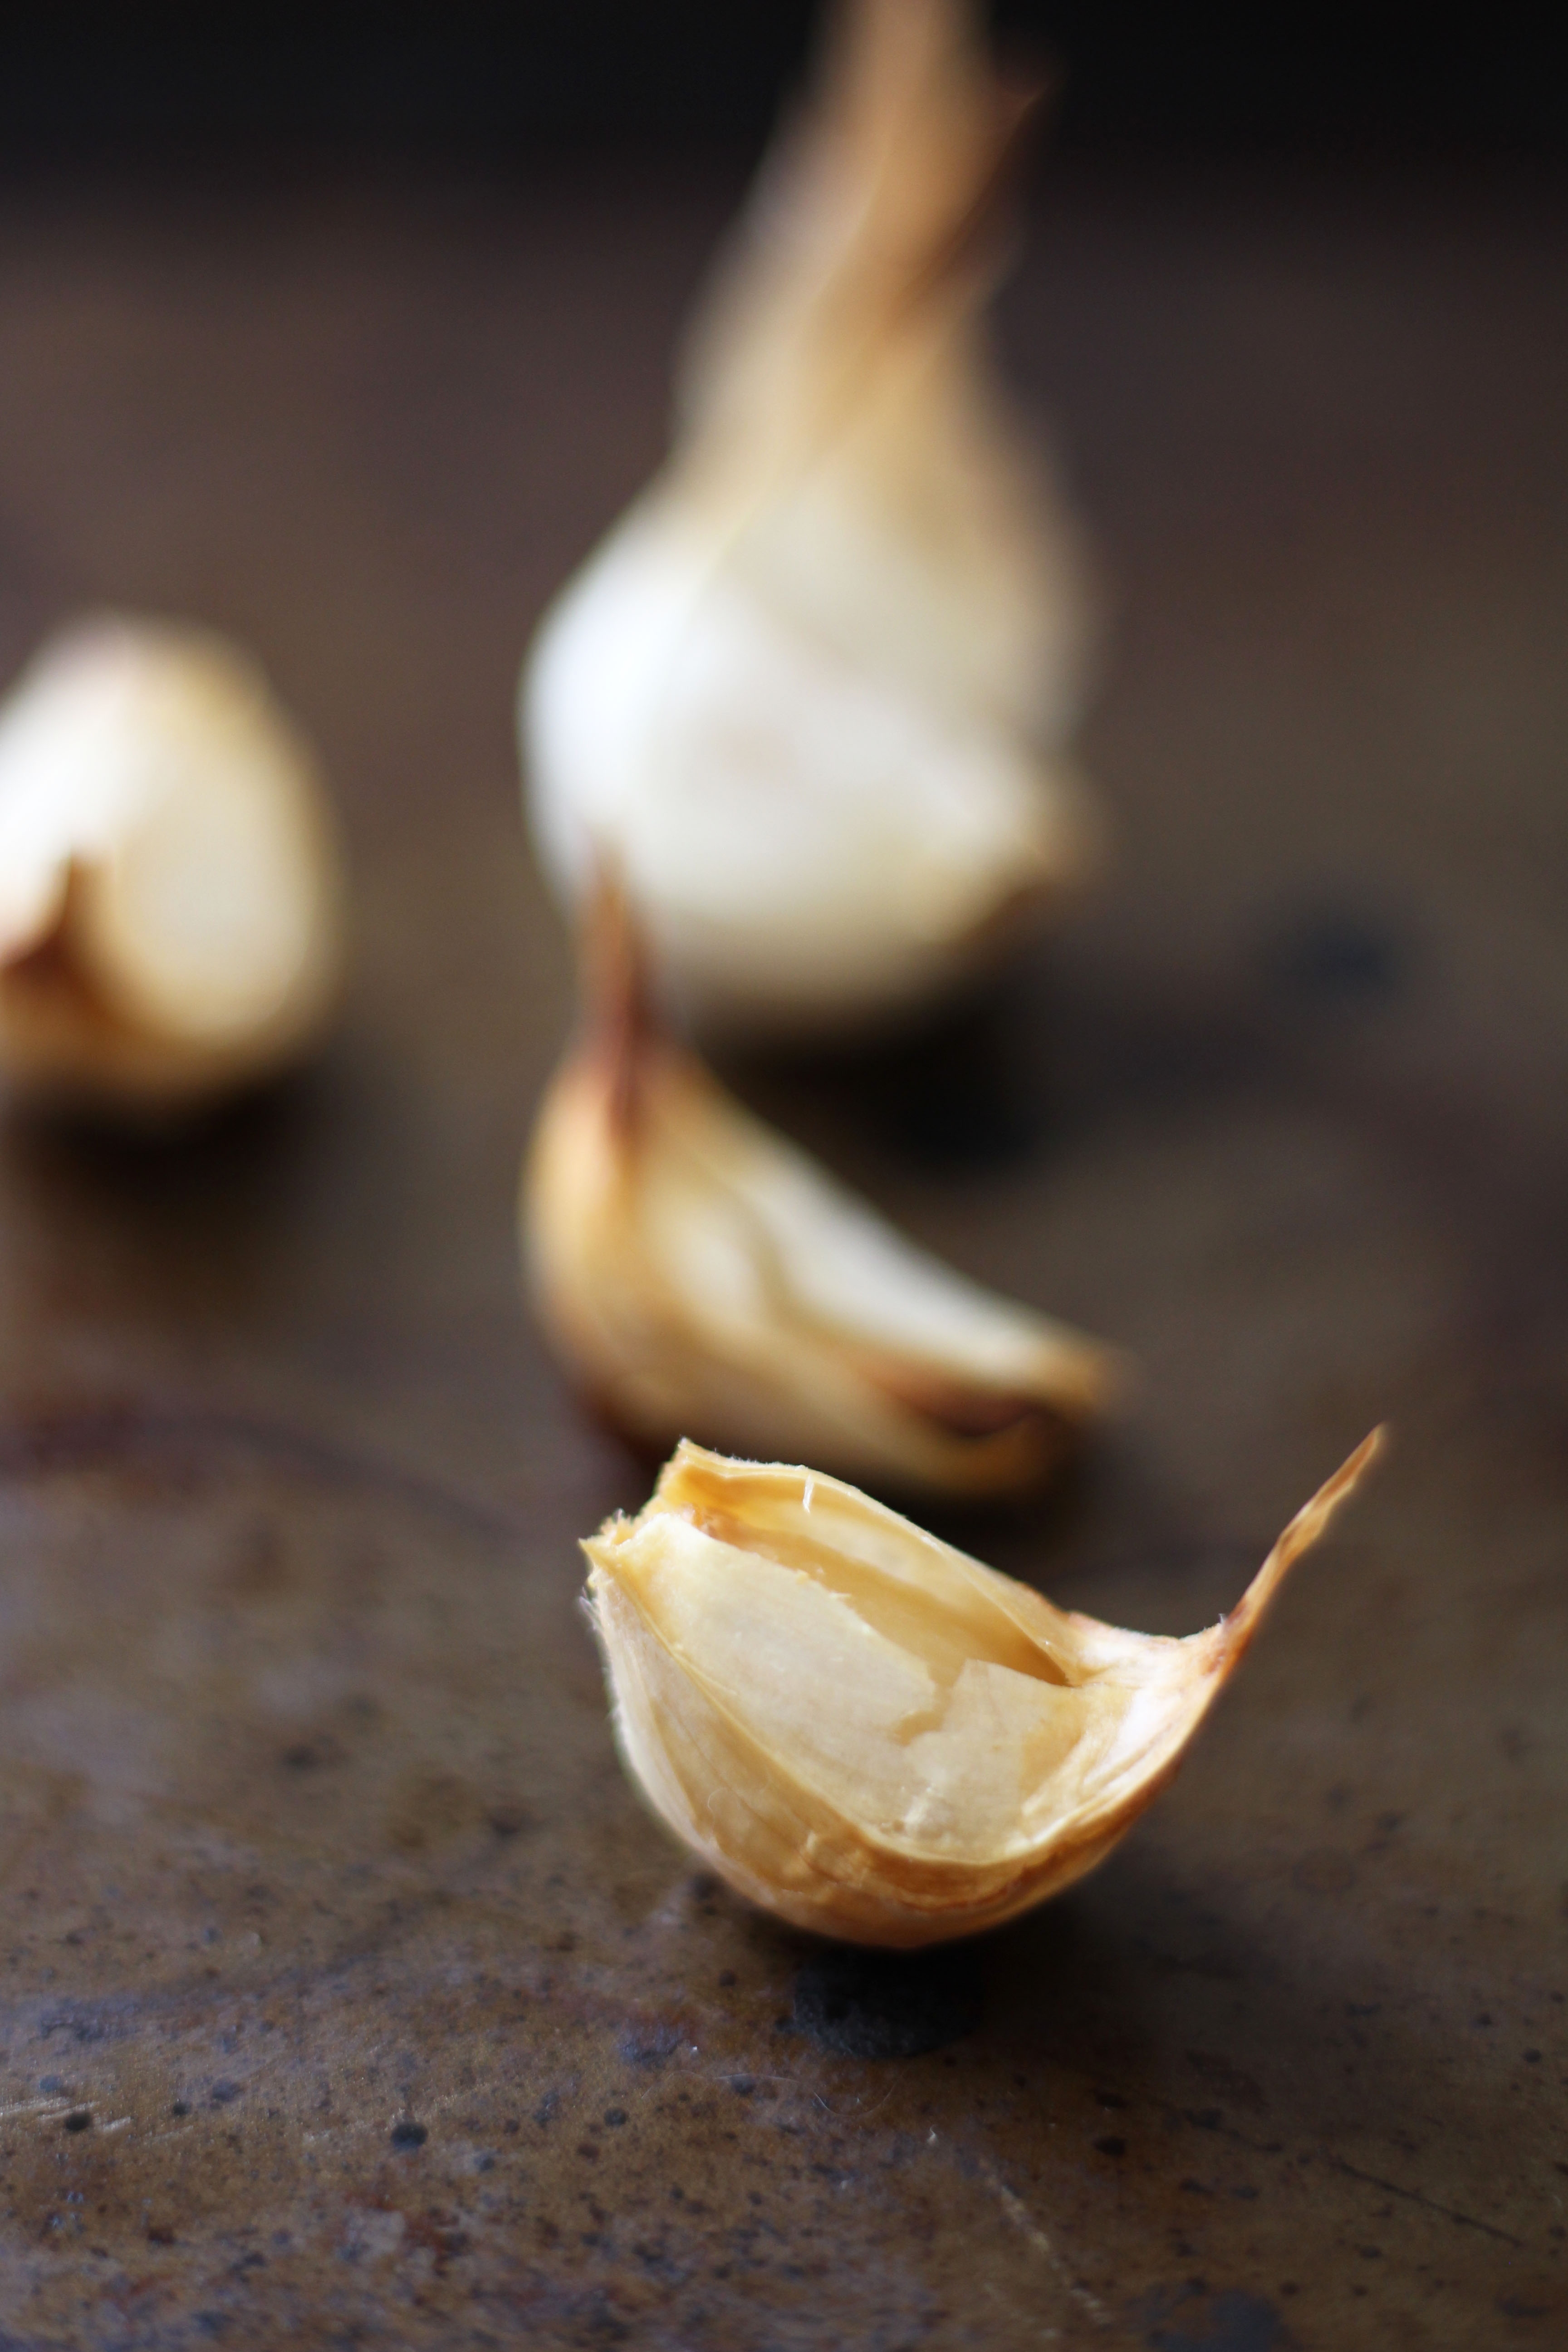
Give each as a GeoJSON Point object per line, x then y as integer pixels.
{"type": "Point", "coordinates": [697, 1273]}
{"type": "Point", "coordinates": [171, 897]}
{"type": "Point", "coordinates": [842, 345]}
{"type": "Point", "coordinates": [841, 637]}
{"type": "Point", "coordinates": [870, 1734]}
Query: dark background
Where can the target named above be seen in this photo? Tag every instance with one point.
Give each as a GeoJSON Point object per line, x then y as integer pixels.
{"type": "Point", "coordinates": [511, 80]}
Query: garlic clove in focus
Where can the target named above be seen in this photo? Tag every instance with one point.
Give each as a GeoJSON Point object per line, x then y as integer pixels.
{"type": "Point", "coordinates": [865, 1731]}
{"type": "Point", "coordinates": [840, 639]}
{"type": "Point", "coordinates": [697, 1273]}
{"type": "Point", "coordinates": [171, 895]}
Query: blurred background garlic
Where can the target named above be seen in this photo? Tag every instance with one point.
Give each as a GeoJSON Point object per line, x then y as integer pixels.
{"type": "Point", "coordinates": [171, 895]}
{"type": "Point", "coordinates": [868, 1733]}
{"type": "Point", "coordinates": [812, 690]}
{"type": "Point", "coordinates": [698, 1274]}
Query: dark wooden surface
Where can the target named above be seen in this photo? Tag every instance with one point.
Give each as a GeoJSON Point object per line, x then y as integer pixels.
{"type": "Point", "coordinates": [348, 1996]}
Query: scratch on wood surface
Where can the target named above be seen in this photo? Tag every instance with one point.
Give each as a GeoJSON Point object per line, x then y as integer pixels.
{"type": "Point", "coordinates": [1024, 2221]}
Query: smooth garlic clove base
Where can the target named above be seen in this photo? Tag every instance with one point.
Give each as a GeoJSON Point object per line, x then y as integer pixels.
{"type": "Point", "coordinates": [869, 1734]}
{"type": "Point", "coordinates": [171, 895]}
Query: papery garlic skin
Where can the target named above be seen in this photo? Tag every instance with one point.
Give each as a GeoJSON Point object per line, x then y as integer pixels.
{"type": "Point", "coordinates": [171, 890]}
{"type": "Point", "coordinates": [697, 1272]}
{"type": "Point", "coordinates": [810, 694]}
{"type": "Point", "coordinates": [841, 351]}
{"type": "Point", "coordinates": [869, 1734]}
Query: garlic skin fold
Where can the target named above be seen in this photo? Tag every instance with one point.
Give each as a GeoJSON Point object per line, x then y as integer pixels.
{"type": "Point", "coordinates": [171, 891]}
{"type": "Point", "coordinates": [866, 1732]}
{"type": "Point", "coordinates": [696, 1272]}
{"type": "Point", "coordinates": [810, 694]}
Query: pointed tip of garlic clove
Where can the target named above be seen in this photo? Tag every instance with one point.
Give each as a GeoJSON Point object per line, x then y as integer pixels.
{"type": "Point", "coordinates": [697, 1273]}
{"type": "Point", "coordinates": [181, 886]}
{"type": "Point", "coordinates": [867, 1733]}
{"type": "Point", "coordinates": [1307, 1528]}
{"type": "Point", "coordinates": [877, 191]}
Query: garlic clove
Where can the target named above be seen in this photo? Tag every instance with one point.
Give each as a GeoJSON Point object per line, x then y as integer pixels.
{"type": "Point", "coordinates": [841, 637]}
{"type": "Point", "coordinates": [171, 897]}
{"type": "Point", "coordinates": [869, 1734]}
{"type": "Point", "coordinates": [697, 1272]}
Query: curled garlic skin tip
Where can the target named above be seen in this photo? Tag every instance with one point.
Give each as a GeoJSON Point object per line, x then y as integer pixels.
{"type": "Point", "coordinates": [813, 691]}
{"type": "Point", "coordinates": [171, 890]}
{"type": "Point", "coordinates": [867, 1733]}
{"type": "Point", "coordinates": [696, 1272]}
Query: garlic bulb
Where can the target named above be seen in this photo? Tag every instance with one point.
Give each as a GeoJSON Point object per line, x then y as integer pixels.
{"type": "Point", "coordinates": [171, 904]}
{"type": "Point", "coordinates": [865, 1731]}
{"type": "Point", "coordinates": [809, 693]}
{"type": "Point", "coordinates": [698, 1274]}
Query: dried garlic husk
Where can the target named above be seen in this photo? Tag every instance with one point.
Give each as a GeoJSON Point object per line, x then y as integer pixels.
{"type": "Point", "coordinates": [171, 901]}
{"type": "Point", "coordinates": [868, 1733]}
{"type": "Point", "coordinates": [698, 1273]}
{"type": "Point", "coordinates": [810, 693]}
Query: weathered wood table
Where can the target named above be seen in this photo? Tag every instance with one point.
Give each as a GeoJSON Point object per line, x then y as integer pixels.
{"type": "Point", "coordinates": [348, 1998]}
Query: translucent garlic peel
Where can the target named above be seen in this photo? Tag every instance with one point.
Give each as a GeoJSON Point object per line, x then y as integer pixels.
{"type": "Point", "coordinates": [869, 1734]}
{"type": "Point", "coordinates": [697, 1272]}
{"type": "Point", "coordinates": [810, 693]}
{"type": "Point", "coordinates": [170, 890]}
{"type": "Point", "coordinates": [841, 346]}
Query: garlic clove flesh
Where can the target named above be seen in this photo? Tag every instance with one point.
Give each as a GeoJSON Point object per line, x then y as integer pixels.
{"type": "Point", "coordinates": [697, 1273]}
{"type": "Point", "coordinates": [839, 641]}
{"type": "Point", "coordinates": [867, 1733]}
{"type": "Point", "coordinates": [171, 895]}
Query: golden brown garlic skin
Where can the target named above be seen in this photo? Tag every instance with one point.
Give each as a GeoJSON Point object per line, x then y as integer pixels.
{"type": "Point", "coordinates": [695, 1272]}
{"type": "Point", "coordinates": [865, 1731]}
{"type": "Point", "coordinates": [171, 887]}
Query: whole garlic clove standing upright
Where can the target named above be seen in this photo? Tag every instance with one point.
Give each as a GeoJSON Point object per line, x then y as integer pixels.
{"type": "Point", "coordinates": [170, 893]}
{"type": "Point", "coordinates": [698, 1274]}
{"type": "Point", "coordinates": [870, 1734]}
{"type": "Point", "coordinates": [839, 640]}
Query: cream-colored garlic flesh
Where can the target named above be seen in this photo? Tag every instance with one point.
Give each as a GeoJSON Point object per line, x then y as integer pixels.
{"type": "Point", "coordinates": [810, 694]}
{"type": "Point", "coordinates": [698, 1274]}
{"type": "Point", "coordinates": [171, 901]}
{"type": "Point", "coordinates": [868, 1733]}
